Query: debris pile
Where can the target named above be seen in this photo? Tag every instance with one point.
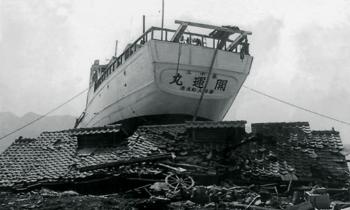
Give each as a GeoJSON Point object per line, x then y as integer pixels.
{"type": "Point", "coordinates": [195, 165]}
{"type": "Point", "coordinates": [48, 199]}
{"type": "Point", "coordinates": [160, 196]}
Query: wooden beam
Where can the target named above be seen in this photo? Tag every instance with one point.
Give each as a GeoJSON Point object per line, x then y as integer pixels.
{"type": "Point", "coordinates": [246, 206]}
{"type": "Point", "coordinates": [222, 42]}
{"type": "Point", "coordinates": [176, 37]}
{"type": "Point", "coordinates": [126, 162]}
{"type": "Point", "coordinates": [200, 25]}
{"type": "Point", "coordinates": [236, 42]}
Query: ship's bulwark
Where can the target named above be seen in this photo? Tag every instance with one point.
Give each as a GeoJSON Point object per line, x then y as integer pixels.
{"type": "Point", "coordinates": [151, 82]}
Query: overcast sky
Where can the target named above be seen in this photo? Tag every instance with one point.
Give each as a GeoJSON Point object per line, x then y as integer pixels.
{"type": "Point", "coordinates": [301, 52]}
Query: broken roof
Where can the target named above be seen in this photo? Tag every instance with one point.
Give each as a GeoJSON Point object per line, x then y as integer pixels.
{"type": "Point", "coordinates": [94, 130]}
{"type": "Point", "coordinates": [281, 151]}
{"type": "Point", "coordinates": [212, 124]}
{"type": "Point", "coordinates": [315, 155]}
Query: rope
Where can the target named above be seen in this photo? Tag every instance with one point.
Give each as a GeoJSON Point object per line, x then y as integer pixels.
{"type": "Point", "coordinates": [205, 85]}
{"type": "Point", "coordinates": [41, 117]}
{"type": "Point", "coordinates": [178, 59]}
{"type": "Point", "coordinates": [198, 105]}
{"type": "Point", "coordinates": [296, 106]}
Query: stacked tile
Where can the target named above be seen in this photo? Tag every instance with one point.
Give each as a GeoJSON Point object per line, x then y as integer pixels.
{"type": "Point", "coordinates": [16, 160]}
{"type": "Point", "coordinates": [315, 155]}
{"type": "Point", "coordinates": [281, 128]}
{"type": "Point", "coordinates": [213, 156]}
{"type": "Point", "coordinates": [213, 124]}
{"type": "Point", "coordinates": [330, 139]}
{"type": "Point", "coordinates": [44, 159]}
{"type": "Point", "coordinates": [136, 146]}
{"type": "Point", "coordinates": [94, 130]}
{"type": "Point", "coordinates": [281, 151]}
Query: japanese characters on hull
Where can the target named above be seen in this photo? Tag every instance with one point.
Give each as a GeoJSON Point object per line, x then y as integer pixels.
{"type": "Point", "coordinates": [189, 81]}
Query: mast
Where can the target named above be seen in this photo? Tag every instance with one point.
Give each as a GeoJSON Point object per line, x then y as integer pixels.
{"type": "Point", "coordinates": [162, 13]}
{"type": "Point", "coordinates": [116, 48]}
{"type": "Point", "coordinates": [143, 24]}
{"type": "Point", "coordinates": [162, 19]}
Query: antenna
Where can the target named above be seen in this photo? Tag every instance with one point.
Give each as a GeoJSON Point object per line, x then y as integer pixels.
{"type": "Point", "coordinates": [116, 48]}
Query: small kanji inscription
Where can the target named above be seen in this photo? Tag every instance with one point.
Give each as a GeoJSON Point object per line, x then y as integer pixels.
{"type": "Point", "coordinates": [176, 79]}
{"type": "Point", "coordinates": [199, 82]}
{"type": "Point", "coordinates": [220, 85]}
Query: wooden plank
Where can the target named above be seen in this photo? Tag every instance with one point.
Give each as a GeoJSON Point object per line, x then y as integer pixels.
{"type": "Point", "coordinates": [245, 206]}
{"type": "Point", "coordinates": [222, 42]}
{"type": "Point", "coordinates": [176, 37]}
{"type": "Point", "coordinates": [236, 42]}
{"type": "Point", "coordinates": [201, 25]}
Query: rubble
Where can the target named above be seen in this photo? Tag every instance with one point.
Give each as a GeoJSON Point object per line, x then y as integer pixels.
{"type": "Point", "coordinates": [277, 166]}
{"type": "Point", "coordinates": [161, 197]}
{"type": "Point", "coordinates": [47, 199]}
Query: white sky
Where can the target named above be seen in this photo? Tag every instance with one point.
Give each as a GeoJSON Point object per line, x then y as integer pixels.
{"type": "Point", "coordinates": [301, 50]}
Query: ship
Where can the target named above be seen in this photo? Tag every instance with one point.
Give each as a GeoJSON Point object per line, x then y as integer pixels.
{"type": "Point", "coordinates": [169, 75]}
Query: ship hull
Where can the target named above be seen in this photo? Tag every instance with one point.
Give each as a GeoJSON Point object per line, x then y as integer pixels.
{"type": "Point", "coordinates": [155, 82]}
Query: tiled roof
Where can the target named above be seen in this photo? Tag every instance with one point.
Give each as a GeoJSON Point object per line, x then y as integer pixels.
{"type": "Point", "coordinates": [135, 146]}
{"type": "Point", "coordinates": [299, 134]}
{"type": "Point", "coordinates": [281, 128]}
{"type": "Point", "coordinates": [313, 154]}
{"type": "Point", "coordinates": [286, 158]}
{"type": "Point", "coordinates": [94, 130]}
{"type": "Point", "coordinates": [46, 158]}
{"type": "Point", "coordinates": [215, 124]}
{"type": "Point", "coordinates": [330, 139]}
{"type": "Point", "coordinates": [54, 155]}
{"type": "Point", "coordinates": [281, 151]}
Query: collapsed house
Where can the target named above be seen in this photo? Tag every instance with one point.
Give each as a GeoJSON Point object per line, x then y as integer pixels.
{"type": "Point", "coordinates": [106, 159]}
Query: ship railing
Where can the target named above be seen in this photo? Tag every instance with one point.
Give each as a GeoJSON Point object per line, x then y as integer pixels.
{"type": "Point", "coordinates": [191, 38]}
{"type": "Point", "coordinates": [238, 45]}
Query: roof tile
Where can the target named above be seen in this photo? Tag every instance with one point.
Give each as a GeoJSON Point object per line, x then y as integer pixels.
{"type": "Point", "coordinates": [300, 154]}
{"type": "Point", "coordinates": [215, 124]}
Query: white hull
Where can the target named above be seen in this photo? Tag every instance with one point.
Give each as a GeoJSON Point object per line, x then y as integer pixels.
{"type": "Point", "coordinates": [144, 85]}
